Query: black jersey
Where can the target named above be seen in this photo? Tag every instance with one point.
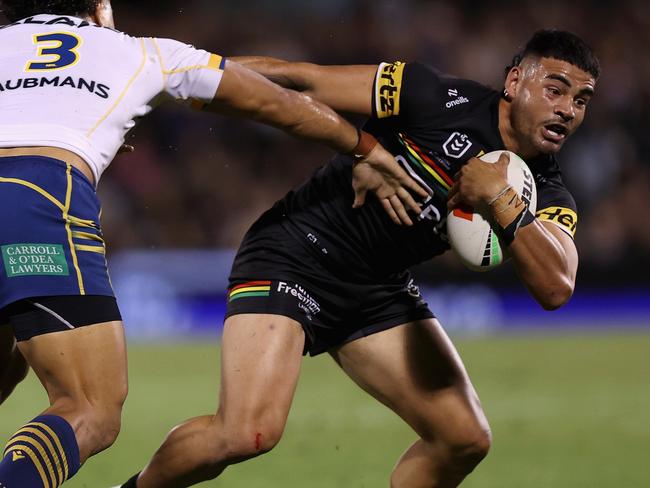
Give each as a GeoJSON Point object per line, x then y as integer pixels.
{"type": "Point", "coordinates": [432, 124]}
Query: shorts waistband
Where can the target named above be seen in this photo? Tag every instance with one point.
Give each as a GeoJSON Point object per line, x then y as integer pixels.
{"type": "Point", "coordinates": [48, 160]}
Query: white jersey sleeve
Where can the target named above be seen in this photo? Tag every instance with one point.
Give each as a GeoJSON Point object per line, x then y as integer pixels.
{"type": "Point", "coordinates": [71, 84]}
{"type": "Point", "coordinates": [189, 73]}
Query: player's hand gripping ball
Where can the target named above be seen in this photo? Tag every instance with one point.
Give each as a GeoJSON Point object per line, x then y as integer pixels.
{"type": "Point", "coordinates": [471, 233]}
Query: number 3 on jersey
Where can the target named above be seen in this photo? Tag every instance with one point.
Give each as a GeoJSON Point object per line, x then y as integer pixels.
{"type": "Point", "coordinates": [57, 50]}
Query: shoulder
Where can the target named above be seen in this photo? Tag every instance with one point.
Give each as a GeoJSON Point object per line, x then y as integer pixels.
{"type": "Point", "coordinates": [414, 88]}
{"type": "Point", "coordinates": [555, 203]}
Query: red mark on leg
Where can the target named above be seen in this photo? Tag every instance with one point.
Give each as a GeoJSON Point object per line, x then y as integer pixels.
{"type": "Point", "coordinates": [258, 441]}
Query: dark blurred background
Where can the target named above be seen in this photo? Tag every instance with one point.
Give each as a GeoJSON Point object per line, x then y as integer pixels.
{"type": "Point", "coordinates": [197, 181]}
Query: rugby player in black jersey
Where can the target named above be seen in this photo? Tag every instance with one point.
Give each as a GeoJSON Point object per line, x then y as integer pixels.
{"type": "Point", "coordinates": [313, 275]}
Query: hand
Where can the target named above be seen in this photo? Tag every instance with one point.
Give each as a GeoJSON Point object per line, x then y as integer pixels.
{"type": "Point", "coordinates": [125, 148]}
{"type": "Point", "coordinates": [380, 173]}
{"type": "Point", "coordinates": [478, 182]}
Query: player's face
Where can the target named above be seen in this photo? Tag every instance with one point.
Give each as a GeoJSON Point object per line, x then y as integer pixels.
{"type": "Point", "coordinates": [549, 100]}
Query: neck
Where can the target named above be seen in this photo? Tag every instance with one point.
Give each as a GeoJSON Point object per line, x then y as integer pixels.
{"type": "Point", "coordinates": [509, 134]}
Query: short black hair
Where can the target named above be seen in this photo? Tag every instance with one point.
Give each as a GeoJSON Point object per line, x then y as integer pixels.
{"type": "Point", "coordinates": [562, 45]}
{"type": "Point", "coordinates": [19, 9]}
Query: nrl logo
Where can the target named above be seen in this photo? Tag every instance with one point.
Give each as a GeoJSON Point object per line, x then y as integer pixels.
{"type": "Point", "coordinates": [456, 145]}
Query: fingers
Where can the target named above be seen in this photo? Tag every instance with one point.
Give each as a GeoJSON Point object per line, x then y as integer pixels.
{"type": "Point", "coordinates": [359, 197]}
{"type": "Point", "coordinates": [409, 201]}
{"type": "Point", "coordinates": [453, 198]}
{"type": "Point", "coordinates": [414, 186]}
{"type": "Point", "coordinates": [398, 207]}
{"type": "Point", "coordinates": [453, 202]}
{"type": "Point", "coordinates": [125, 148]}
{"type": "Point", "coordinates": [385, 202]}
{"type": "Point", "coordinates": [503, 162]}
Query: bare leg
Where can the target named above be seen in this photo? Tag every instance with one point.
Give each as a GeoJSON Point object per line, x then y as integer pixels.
{"type": "Point", "coordinates": [260, 364]}
{"type": "Point", "coordinates": [13, 367]}
{"type": "Point", "coordinates": [84, 374]}
{"type": "Point", "coordinates": [415, 370]}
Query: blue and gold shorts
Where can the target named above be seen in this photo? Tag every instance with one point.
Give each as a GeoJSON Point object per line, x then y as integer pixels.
{"type": "Point", "coordinates": [50, 239]}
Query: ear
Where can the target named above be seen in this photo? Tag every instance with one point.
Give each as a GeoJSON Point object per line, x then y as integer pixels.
{"type": "Point", "coordinates": [511, 85]}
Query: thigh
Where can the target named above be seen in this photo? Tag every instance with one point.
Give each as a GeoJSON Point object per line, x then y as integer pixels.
{"type": "Point", "coordinates": [260, 364]}
{"type": "Point", "coordinates": [415, 370]}
{"type": "Point", "coordinates": [87, 364]}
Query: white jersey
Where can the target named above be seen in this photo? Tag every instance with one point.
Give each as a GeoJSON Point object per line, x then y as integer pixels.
{"type": "Point", "coordinates": [68, 83]}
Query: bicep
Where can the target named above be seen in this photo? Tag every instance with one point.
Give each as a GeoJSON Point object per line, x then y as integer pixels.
{"type": "Point", "coordinates": [343, 88]}
{"type": "Point", "coordinates": [568, 246]}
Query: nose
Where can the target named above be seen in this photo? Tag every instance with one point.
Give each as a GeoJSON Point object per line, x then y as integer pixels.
{"type": "Point", "coordinates": [565, 109]}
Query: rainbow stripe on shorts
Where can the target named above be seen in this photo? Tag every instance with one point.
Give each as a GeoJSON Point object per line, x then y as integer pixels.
{"type": "Point", "coordinates": [250, 289]}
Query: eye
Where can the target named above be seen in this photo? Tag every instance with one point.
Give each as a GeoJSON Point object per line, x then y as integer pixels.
{"type": "Point", "coordinates": [553, 90]}
{"type": "Point", "coordinates": [581, 102]}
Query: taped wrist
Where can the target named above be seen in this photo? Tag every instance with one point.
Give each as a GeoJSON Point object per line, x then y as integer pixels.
{"type": "Point", "coordinates": [366, 144]}
{"type": "Point", "coordinates": [510, 213]}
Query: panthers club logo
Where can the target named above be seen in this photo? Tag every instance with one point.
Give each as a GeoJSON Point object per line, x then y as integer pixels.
{"type": "Point", "coordinates": [456, 145]}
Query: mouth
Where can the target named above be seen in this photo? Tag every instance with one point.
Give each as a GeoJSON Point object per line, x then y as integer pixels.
{"type": "Point", "coordinates": [555, 132]}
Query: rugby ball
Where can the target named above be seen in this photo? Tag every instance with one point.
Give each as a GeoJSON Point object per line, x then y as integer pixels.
{"type": "Point", "coordinates": [471, 234]}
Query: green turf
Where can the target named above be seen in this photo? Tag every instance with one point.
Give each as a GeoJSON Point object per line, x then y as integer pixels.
{"type": "Point", "coordinates": [566, 412]}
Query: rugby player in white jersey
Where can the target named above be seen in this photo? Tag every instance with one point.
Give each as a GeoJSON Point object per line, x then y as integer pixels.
{"type": "Point", "coordinates": [71, 87]}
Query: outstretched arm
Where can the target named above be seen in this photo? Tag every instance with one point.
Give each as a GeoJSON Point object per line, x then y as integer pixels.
{"type": "Point", "coordinates": [344, 88]}
{"type": "Point", "coordinates": [245, 93]}
{"type": "Point", "coordinates": [545, 257]}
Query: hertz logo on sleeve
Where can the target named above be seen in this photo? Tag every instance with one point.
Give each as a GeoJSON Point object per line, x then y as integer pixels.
{"type": "Point", "coordinates": [388, 86]}
{"type": "Point", "coordinates": [564, 217]}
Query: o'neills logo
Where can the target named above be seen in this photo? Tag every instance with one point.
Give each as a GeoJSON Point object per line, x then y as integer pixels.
{"type": "Point", "coordinates": [458, 101]}
{"type": "Point", "coordinates": [307, 303]}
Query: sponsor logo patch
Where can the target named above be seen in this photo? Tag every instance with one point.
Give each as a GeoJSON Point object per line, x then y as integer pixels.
{"type": "Point", "coordinates": [34, 260]}
{"type": "Point", "coordinates": [388, 87]}
{"type": "Point", "coordinates": [456, 145]}
{"type": "Point", "coordinates": [453, 92]}
{"type": "Point", "coordinates": [305, 301]}
{"type": "Point", "coordinates": [563, 217]}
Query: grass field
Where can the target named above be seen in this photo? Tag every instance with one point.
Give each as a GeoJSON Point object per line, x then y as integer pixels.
{"type": "Point", "coordinates": [566, 412]}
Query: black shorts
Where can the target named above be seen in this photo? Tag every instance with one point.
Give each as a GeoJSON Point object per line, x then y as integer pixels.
{"type": "Point", "coordinates": [31, 317]}
{"type": "Point", "coordinates": [275, 273]}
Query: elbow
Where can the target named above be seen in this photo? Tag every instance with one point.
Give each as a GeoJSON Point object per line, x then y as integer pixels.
{"type": "Point", "coordinates": [556, 295]}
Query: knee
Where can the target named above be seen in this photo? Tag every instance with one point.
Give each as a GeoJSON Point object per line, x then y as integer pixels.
{"type": "Point", "coordinates": [469, 448]}
{"type": "Point", "coordinates": [252, 439]}
{"type": "Point", "coordinates": [246, 438]}
{"type": "Point", "coordinates": [107, 418]}
{"type": "Point", "coordinates": [99, 419]}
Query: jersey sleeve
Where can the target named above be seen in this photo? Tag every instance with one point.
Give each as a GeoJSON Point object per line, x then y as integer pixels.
{"type": "Point", "coordinates": [556, 205]}
{"type": "Point", "coordinates": [410, 91]}
{"type": "Point", "coordinates": [189, 74]}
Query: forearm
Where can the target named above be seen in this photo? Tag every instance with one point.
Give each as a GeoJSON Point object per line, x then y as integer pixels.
{"type": "Point", "coordinates": [283, 73]}
{"type": "Point", "coordinates": [544, 265]}
{"type": "Point", "coordinates": [306, 118]}
{"type": "Point", "coordinates": [343, 88]}
{"type": "Point", "coordinates": [247, 94]}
